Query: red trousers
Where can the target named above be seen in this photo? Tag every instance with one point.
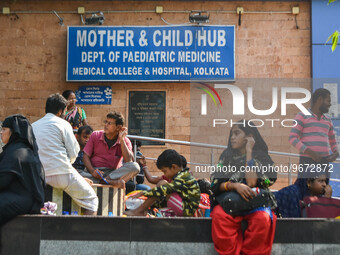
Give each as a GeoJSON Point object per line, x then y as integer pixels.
{"type": "Point", "coordinates": [228, 238]}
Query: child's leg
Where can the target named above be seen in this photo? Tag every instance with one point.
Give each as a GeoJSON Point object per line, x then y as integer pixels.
{"type": "Point", "coordinates": [259, 235]}
{"type": "Point", "coordinates": [176, 204]}
{"type": "Point", "coordinates": [226, 232]}
{"type": "Point", "coordinates": [140, 211]}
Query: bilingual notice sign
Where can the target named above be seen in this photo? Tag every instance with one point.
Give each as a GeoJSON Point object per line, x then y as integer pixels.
{"type": "Point", "coordinates": [160, 53]}
{"type": "Point", "coordinates": [94, 95]}
{"type": "Point", "coordinates": [147, 114]}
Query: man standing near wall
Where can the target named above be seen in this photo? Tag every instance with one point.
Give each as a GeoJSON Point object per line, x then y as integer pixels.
{"type": "Point", "coordinates": [314, 137]}
{"type": "Point", "coordinates": [58, 149]}
{"type": "Point", "coordinates": [105, 151]}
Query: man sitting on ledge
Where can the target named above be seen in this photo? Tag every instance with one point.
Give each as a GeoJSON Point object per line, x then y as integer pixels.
{"type": "Point", "coordinates": [58, 149]}
{"type": "Point", "coordinates": [105, 151]}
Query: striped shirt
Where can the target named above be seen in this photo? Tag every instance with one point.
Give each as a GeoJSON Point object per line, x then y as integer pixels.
{"type": "Point", "coordinates": [313, 133]}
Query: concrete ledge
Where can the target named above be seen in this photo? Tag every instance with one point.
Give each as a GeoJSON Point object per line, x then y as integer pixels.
{"type": "Point", "coordinates": [121, 235]}
{"type": "Point", "coordinates": [124, 248]}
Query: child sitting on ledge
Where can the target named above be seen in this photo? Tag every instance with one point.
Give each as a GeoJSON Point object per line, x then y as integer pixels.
{"type": "Point", "coordinates": [182, 194]}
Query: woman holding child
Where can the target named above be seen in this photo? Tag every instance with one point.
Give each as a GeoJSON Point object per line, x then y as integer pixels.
{"type": "Point", "coordinates": [246, 153]}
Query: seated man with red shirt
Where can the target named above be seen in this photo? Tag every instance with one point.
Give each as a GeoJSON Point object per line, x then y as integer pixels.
{"type": "Point", "coordinates": [107, 149]}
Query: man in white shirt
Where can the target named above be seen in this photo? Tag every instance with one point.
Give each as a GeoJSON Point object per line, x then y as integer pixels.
{"type": "Point", "coordinates": [58, 149]}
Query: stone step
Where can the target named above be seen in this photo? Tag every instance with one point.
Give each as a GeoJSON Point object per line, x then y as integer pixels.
{"type": "Point", "coordinates": [37, 234]}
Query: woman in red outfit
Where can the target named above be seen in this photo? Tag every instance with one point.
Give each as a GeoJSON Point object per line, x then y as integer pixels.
{"type": "Point", "coordinates": [246, 151]}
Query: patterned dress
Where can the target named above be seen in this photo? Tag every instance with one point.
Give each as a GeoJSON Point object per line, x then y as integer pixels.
{"type": "Point", "coordinates": [75, 117]}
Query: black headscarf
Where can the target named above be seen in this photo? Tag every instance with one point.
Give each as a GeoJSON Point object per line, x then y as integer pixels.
{"type": "Point", "coordinates": [21, 131]}
{"type": "Point", "coordinates": [20, 157]}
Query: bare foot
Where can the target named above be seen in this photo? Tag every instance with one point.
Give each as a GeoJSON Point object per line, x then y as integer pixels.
{"type": "Point", "coordinates": [88, 212]}
{"type": "Point", "coordinates": [120, 184]}
{"type": "Point", "coordinates": [135, 212]}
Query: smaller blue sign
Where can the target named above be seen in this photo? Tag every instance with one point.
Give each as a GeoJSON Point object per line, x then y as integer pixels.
{"type": "Point", "coordinates": [94, 95]}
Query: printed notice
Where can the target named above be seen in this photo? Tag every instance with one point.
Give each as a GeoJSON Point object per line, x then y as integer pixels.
{"type": "Point", "coordinates": [147, 114]}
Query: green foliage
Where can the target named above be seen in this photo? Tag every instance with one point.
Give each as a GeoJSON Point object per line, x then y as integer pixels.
{"type": "Point", "coordinates": [335, 35]}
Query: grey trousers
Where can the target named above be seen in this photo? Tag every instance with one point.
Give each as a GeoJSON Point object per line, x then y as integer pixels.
{"type": "Point", "coordinates": [126, 172]}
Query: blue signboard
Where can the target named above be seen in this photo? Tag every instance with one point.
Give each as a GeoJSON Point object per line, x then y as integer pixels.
{"type": "Point", "coordinates": [164, 53]}
{"type": "Point", "coordinates": [94, 95]}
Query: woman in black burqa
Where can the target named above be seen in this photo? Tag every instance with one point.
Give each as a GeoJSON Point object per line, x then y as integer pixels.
{"type": "Point", "coordinates": [22, 176]}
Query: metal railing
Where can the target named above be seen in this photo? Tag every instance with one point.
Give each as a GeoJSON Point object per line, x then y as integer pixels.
{"type": "Point", "coordinates": [205, 145]}
{"type": "Point", "coordinates": [213, 146]}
